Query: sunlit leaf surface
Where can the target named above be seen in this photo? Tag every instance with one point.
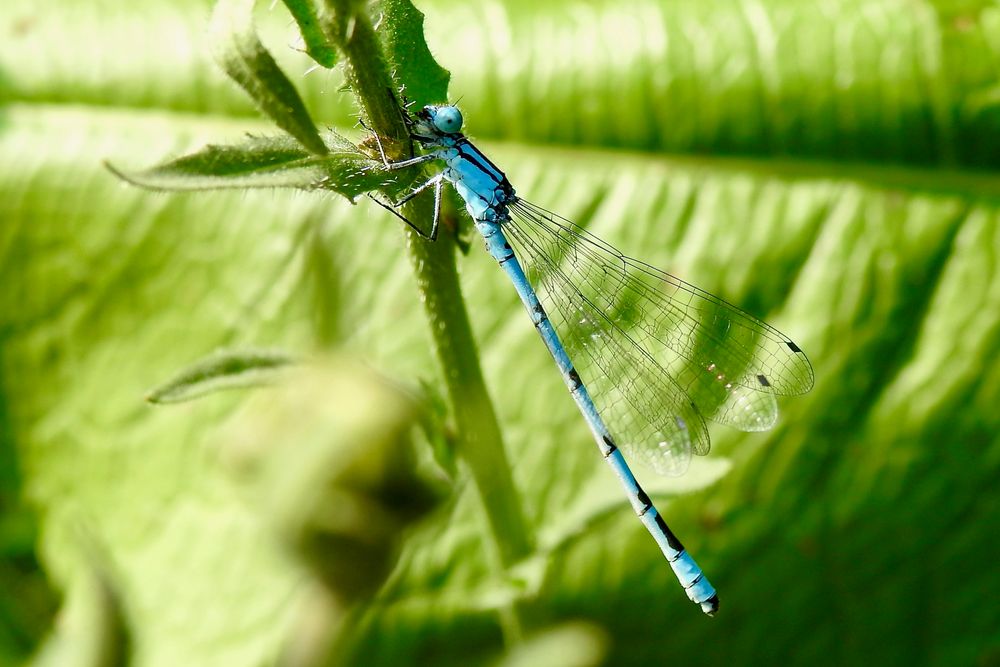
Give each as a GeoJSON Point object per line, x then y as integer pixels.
{"type": "Point", "coordinates": [829, 167]}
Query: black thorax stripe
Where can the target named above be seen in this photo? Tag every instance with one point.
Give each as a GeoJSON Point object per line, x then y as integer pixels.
{"type": "Point", "coordinates": [483, 163]}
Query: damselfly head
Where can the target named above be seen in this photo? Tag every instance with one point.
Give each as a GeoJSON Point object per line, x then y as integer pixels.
{"type": "Point", "coordinates": [435, 120]}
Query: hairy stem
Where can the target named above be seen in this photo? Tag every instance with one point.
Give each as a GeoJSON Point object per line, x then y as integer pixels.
{"type": "Point", "coordinates": [437, 281]}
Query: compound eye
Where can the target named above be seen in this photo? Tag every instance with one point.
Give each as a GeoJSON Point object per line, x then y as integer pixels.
{"type": "Point", "coordinates": [448, 120]}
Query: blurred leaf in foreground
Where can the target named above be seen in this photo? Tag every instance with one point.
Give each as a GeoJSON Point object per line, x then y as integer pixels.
{"type": "Point", "coordinates": [327, 459]}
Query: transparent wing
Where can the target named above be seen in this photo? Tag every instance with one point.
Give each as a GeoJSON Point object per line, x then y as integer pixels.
{"type": "Point", "coordinates": [729, 363]}
{"type": "Point", "coordinates": [648, 413]}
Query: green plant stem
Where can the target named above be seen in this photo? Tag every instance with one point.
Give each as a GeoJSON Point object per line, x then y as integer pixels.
{"type": "Point", "coordinates": [437, 281]}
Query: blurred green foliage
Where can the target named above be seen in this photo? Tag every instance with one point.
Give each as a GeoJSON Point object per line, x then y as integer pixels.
{"type": "Point", "coordinates": [832, 167]}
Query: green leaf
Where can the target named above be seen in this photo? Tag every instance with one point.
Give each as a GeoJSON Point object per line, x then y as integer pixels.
{"type": "Point", "coordinates": [326, 457]}
{"type": "Point", "coordinates": [226, 369]}
{"type": "Point", "coordinates": [93, 628]}
{"type": "Point", "coordinates": [317, 46]}
{"type": "Point", "coordinates": [244, 58]}
{"type": "Point", "coordinates": [440, 434]}
{"type": "Point", "coordinates": [569, 645]}
{"type": "Point", "coordinates": [401, 32]}
{"type": "Point", "coordinates": [270, 162]}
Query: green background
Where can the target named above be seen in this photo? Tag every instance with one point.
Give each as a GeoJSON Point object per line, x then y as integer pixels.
{"type": "Point", "coordinates": [832, 167]}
